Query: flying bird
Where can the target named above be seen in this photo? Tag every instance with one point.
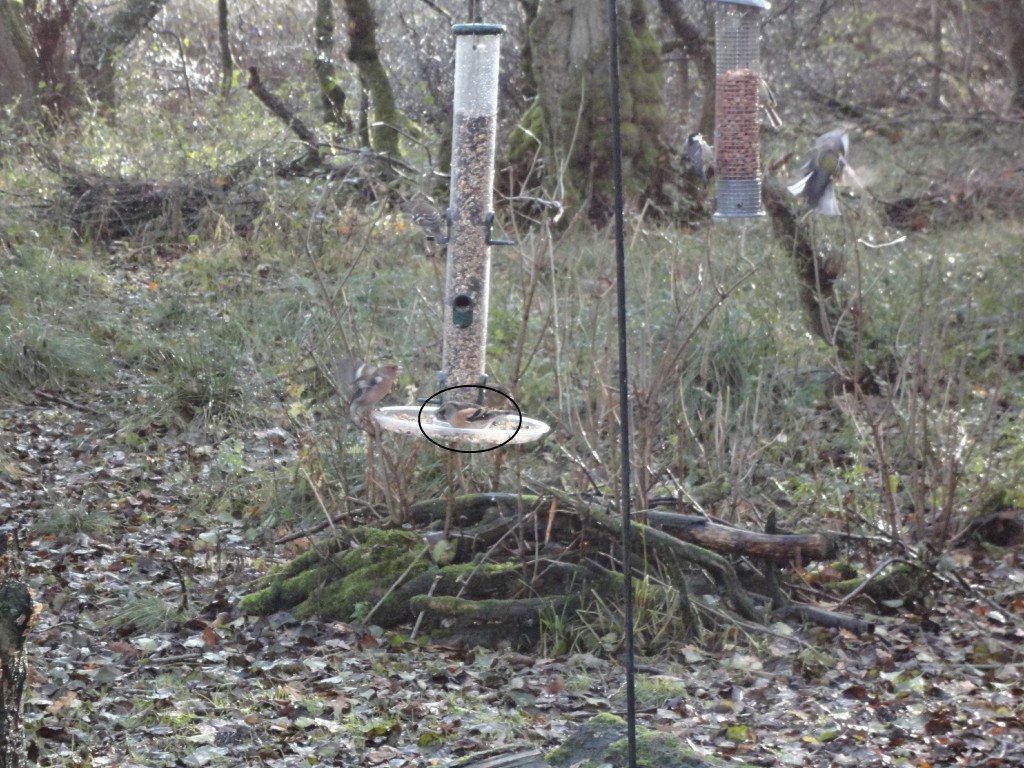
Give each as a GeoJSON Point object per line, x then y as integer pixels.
{"type": "Point", "coordinates": [470, 416]}
{"type": "Point", "coordinates": [372, 385]}
{"type": "Point", "coordinates": [822, 169]}
{"type": "Point", "coordinates": [701, 156]}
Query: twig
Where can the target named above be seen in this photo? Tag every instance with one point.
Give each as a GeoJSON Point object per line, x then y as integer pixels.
{"type": "Point", "coordinates": [69, 403]}
{"type": "Point", "coordinates": [394, 584]}
{"type": "Point", "coordinates": [282, 110]}
{"type": "Point", "coordinates": [329, 523]}
{"type": "Point", "coordinates": [435, 7]}
{"type": "Point", "coordinates": [871, 577]}
{"type": "Point", "coordinates": [320, 501]}
{"type": "Point", "coordinates": [182, 582]}
{"type": "Point", "coordinates": [421, 614]}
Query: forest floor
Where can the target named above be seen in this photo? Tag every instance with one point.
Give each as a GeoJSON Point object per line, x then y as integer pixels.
{"type": "Point", "coordinates": [169, 415]}
{"type": "Point", "coordinates": [138, 553]}
{"type": "Point", "coordinates": [140, 658]}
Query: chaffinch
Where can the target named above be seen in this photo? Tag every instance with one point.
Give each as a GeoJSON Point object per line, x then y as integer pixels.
{"type": "Point", "coordinates": [822, 169]}
{"type": "Point", "coordinates": [372, 385]}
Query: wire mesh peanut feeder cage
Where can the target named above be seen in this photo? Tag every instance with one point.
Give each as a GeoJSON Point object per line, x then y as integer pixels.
{"type": "Point", "coordinates": [737, 85]}
{"type": "Point", "coordinates": [470, 221]}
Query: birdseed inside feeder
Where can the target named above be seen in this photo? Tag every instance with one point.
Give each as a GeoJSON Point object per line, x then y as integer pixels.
{"type": "Point", "coordinates": [471, 196]}
{"type": "Point", "coordinates": [737, 130]}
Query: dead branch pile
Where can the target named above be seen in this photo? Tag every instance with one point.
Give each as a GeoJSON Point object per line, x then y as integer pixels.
{"type": "Point", "coordinates": [103, 208]}
{"type": "Point", "coordinates": [493, 568]}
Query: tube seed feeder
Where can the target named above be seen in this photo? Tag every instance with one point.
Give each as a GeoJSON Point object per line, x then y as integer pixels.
{"type": "Point", "coordinates": [471, 198]}
{"type": "Point", "coordinates": [737, 131]}
{"type": "Point", "coordinates": [470, 218]}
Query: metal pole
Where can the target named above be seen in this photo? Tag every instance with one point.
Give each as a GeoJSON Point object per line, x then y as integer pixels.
{"type": "Point", "coordinates": [620, 272]}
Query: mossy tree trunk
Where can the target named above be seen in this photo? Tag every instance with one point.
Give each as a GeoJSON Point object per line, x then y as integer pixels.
{"type": "Point", "coordinates": [105, 38]}
{"type": "Point", "coordinates": [18, 612]}
{"type": "Point", "coordinates": [530, 9]}
{"type": "Point", "coordinates": [332, 95]}
{"type": "Point", "coordinates": [33, 57]}
{"type": "Point", "coordinates": [696, 46]}
{"type": "Point", "coordinates": [1014, 14]}
{"type": "Point", "coordinates": [365, 54]}
{"type": "Point", "coordinates": [227, 62]}
{"type": "Point", "coordinates": [569, 44]}
{"type": "Point", "coordinates": [17, 61]}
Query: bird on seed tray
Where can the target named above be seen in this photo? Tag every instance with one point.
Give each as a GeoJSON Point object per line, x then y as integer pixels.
{"type": "Point", "coordinates": [372, 385]}
{"type": "Point", "coordinates": [823, 168]}
{"type": "Point", "coordinates": [470, 416]}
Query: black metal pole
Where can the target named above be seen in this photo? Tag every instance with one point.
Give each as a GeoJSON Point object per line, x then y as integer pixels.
{"type": "Point", "coordinates": [620, 274]}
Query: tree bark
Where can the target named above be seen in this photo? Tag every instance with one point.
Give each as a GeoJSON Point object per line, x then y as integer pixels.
{"type": "Point", "coordinates": [50, 27]}
{"type": "Point", "coordinates": [331, 93]}
{"type": "Point", "coordinates": [365, 54]}
{"type": "Point", "coordinates": [283, 111]}
{"type": "Point", "coordinates": [18, 612]}
{"type": "Point", "coordinates": [18, 72]}
{"type": "Point", "coordinates": [104, 41]}
{"type": "Point", "coordinates": [1014, 17]}
{"type": "Point", "coordinates": [227, 63]}
{"type": "Point", "coordinates": [700, 49]}
{"type": "Point", "coordinates": [817, 274]}
{"type": "Point", "coordinates": [569, 44]}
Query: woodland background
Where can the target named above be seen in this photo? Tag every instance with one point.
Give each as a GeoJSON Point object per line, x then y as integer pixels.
{"type": "Point", "coordinates": [196, 257]}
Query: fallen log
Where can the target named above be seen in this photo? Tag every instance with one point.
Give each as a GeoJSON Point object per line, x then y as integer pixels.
{"type": "Point", "coordinates": [778, 547]}
{"type": "Point", "coordinates": [824, 618]}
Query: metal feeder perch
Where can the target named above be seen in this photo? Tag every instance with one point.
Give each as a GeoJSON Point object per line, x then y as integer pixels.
{"type": "Point", "coordinates": [737, 131]}
{"type": "Point", "coordinates": [470, 218]}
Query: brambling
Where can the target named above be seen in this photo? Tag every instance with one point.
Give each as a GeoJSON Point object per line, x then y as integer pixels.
{"type": "Point", "coordinates": [823, 168]}
{"type": "Point", "coordinates": [470, 416]}
{"type": "Point", "coordinates": [372, 385]}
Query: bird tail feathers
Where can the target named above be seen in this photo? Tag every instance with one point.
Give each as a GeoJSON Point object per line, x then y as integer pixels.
{"type": "Point", "coordinates": [828, 205]}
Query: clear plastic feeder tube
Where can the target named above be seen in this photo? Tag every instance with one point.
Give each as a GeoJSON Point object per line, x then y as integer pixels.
{"type": "Point", "coordinates": [737, 129]}
{"type": "Point", "coordinates": [471, 199]}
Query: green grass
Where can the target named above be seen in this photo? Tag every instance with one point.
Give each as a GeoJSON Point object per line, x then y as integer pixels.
{"type": "Point", "coordinates": [232, 335]}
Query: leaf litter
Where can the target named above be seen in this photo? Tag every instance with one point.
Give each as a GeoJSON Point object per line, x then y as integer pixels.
{"type": "Point", "coordinates": [141, 657]}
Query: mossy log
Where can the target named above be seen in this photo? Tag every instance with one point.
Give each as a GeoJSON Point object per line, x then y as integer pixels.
{"type": "Point", "coordinates": [489, 572]}
{"type": "Point", "coordinates": [905, 581]}
{"type": "Point", "coordinates": [344, 577]}
{"type": "Point", "coordinates": [602, 741]}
